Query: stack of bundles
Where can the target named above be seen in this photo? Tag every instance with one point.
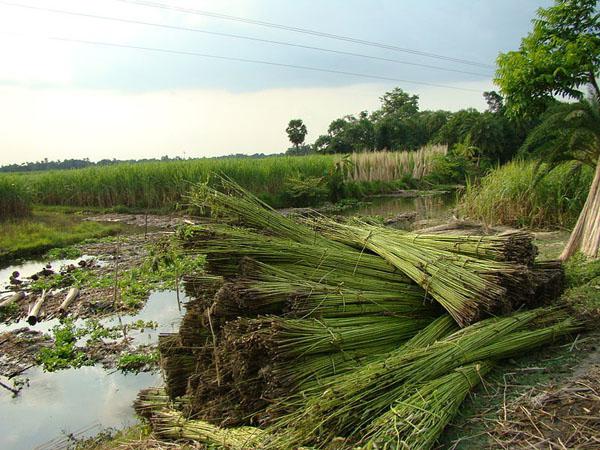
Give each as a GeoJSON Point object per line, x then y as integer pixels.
{"type": "Point", "coordinates": [406, 399]}
{"type": "Point", "coordinates": [295, 314]}
{"type": "Point", "coordinates": [403, 400]}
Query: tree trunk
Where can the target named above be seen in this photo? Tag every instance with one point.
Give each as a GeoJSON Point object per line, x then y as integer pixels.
{"type": "Point", "coordinates": [586, 234]}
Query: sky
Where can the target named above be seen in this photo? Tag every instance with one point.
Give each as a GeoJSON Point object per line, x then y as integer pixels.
{"type": "Point", "coordinates": [71, 86]}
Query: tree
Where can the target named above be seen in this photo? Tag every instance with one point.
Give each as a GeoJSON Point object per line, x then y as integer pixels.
{"type": "Point", "coordinates": [397, 103]}
{"type": "Point", "coordinates": [571, 131]}
{"type": "Point", "coordinates": [494, 101]}
{"type": "Point", "coordinates": [296, 131]}
{"type": "Point", "coordinates": [560, 57]}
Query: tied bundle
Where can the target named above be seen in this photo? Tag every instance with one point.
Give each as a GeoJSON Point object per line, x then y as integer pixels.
{"type": "Point", "coordinates": [310, 331]}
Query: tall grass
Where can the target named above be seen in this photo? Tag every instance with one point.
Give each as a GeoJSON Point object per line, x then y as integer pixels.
{"type": "Point", "coordinates": [512, 195]}
{"type": "Point", "coordinates": [165, 184]}
{"type": "Point", "coordinates": [15, 198]}
{"type": "Point", "coordinates": [391, 166]}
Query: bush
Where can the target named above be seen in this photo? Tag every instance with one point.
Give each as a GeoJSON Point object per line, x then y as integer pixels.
{"type": "Point", "coordinates": [305, 191]}
{"type": "Point", "coordinates": [517, 195]}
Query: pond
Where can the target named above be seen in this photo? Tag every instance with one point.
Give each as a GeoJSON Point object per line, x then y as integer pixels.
{"type": "Point", "coordinates": [426, 207]}
{"type": "Point", "coordinates": [82, 401]}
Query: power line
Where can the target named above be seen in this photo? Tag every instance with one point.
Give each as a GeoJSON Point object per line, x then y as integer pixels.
{"type": "Point", "coordinates": [306, 31]}
{"type": "Point", "coordinates": [235, 36]}
{"type": "Point", "coordinates": [244, 60]}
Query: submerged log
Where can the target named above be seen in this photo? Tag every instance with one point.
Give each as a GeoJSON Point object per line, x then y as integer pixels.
{"type": "Point", "coordinates": [70, 298]}
{"type": "Point", "coordinates": [12, 299]}
{"type": "Point", "coordinates": [33, 316]}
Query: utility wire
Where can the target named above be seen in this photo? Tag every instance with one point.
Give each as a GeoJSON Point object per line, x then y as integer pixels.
{"type": "Point", "coordinates": [306, 31]}
{"type": "Point", "coordinates": [235, 59]}
{"type": "Point", "coordinates": [235, 36]}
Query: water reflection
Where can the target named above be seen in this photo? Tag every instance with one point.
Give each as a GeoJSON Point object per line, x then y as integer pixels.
{"type": "Point", "coordinates": [426, 207]}
{"type": "Point", "coordinates": [89, 398]}
{"type": "Point", "coordinates": [67, 402]}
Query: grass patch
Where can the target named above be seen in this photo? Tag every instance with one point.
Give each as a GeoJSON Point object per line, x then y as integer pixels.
{"type": "Point", "coordinates": [513, 195]}
{"type": "Point", "coordinates": [44, 231]}
{"type": "Point", "coordinates": [136, 436]}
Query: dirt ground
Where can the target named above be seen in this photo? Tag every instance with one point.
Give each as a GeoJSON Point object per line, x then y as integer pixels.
{"type": "Point", "coordinates": [562, 416]}
{"type": "Point", "coordinates": [101, 259]}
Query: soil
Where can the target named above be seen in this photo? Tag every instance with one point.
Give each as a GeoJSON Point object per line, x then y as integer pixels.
{"type": "Point", "coordinates": [19, 349]}
{"type": "Point", "coordinates": [129, 251]}
{"type": "Point", "coordinates": [555, 417]}
{"type": "Point", "coordinates": [150, 221]}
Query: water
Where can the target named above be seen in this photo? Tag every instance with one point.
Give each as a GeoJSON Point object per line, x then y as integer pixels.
{"type": "Point", "coordinates": [29, 268]}
{"type": "Point", "coordinates": [161, 308]}
{"type": "Point", "coordinates": [69, 401]}
{"type": "Point", "coordinates": [428, 207]}
{"type": "Point", "coordinates": [82, 401]}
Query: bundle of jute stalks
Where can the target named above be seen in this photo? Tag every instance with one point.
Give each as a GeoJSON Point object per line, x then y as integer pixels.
{"type": "Point", "coordinates": [306, 331]}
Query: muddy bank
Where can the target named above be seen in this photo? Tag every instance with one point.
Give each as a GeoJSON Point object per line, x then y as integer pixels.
{"type": "Point", "coordinates": [150, 221]}
{"type": "Point", "coordinates": [102, 259]}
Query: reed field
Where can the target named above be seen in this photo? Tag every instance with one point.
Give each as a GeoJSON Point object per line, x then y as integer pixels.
{"type": "Point", "coordinates": [514, 195]}
{"type": "Point", "coordinates": [392, 166]}
{"type": "Point", "coordinates": [15, 198]}
{"type": "Point", "coordinates": [165, 184]}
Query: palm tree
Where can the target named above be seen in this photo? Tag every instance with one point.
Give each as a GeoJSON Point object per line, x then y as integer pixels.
{"type": "Point", "coordinates": [571, 131]}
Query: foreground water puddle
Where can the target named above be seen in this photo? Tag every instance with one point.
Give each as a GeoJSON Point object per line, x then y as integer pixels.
{"type": "Point", "coordinates": [82, 401]}
{"type": "Point", "coordinates": [69, 401]}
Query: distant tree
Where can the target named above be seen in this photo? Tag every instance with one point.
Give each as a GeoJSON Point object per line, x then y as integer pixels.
{"type": "Point", "coordinates": [397, 103]}
{"type": "Point", "coordinates": [296, 131]}
{"type": "Point", "coordinates": [300, 150]}
{"type": "Point", "coordinates": [494, 101]}
{"type": "Point", "coordinates": [560, 57]}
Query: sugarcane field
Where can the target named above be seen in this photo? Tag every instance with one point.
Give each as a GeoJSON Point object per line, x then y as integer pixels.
{"type": "Point", "coordinates": [281, 226]}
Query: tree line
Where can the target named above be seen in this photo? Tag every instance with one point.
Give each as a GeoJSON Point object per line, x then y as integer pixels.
{"type": "Point", "coordinates": [399, 124]}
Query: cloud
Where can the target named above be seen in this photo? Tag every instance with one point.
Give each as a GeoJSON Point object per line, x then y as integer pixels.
{"type": "Point", "coordinates": [60, 123]}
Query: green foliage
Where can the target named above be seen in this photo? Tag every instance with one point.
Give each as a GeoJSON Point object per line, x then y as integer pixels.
{"type": "Point", "coordinates": [166, 184]}
{"type": "Point", "coordinates": [454, 168]}
{"type": "Point", "coordinates": [399, 104]}
{"type": "Point", "coordinates": [568, 131]}
{"type": "Point", "coordinates": [136, 362]}
{"type": "Point", "coordinates": [515, 195]}
{"type": "Point", "coordinates": [305, 191]}
{"type": "Point", "coordinates": [492, 134]}
{"type": "Point", "coordinates": [63, 253]}
{"type": "Point", "coordinates": [579, 270]}
{"type": "Point", "coordinates": [48, 230]}
{"type": "Point", "coordinates": [558, 57]}
{"type": "Point", "coordinates": [296, 131]}
{"type": "Point", "coordinates": [15, 198]}
{"type": "Point", "coordinates": [63, 354]}
{"type": "Point", "coordinates": [583, 281]}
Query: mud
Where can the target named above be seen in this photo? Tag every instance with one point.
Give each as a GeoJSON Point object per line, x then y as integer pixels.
{"type": "Point", "coordinates": [150, 221]}
{"type": "Point", "coordinates": [19, 350]}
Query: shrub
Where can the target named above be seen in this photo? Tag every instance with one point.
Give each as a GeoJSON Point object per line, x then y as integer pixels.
{"type": "Point", "coordinates": [516, 195]}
